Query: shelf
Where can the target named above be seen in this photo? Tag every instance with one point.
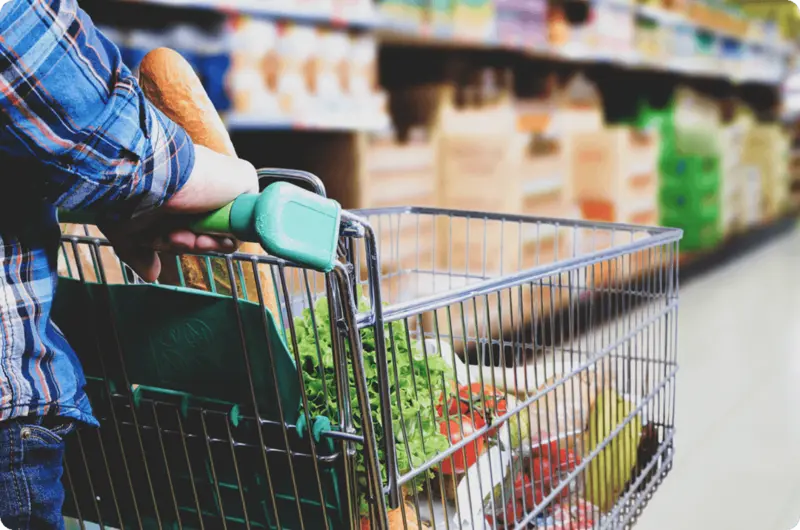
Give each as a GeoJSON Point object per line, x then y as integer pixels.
{"type": "Point", "coordinates": [237, 122]}
{"type": "Point", "coordinates": [575, 54]}
{"type": "Point", "coordinates": [392, 34]}
{"type": "Point", "coordinates": [263, 8]}
{"type": "Point", "coordinates": [671, 18]}
{"type": "Point", "coordinates": [696, 263]}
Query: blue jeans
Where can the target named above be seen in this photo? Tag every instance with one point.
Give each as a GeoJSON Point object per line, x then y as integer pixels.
{"type": "Point", "coordinates": [31, 464]}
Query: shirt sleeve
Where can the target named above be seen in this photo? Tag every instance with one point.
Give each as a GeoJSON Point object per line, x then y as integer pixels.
{"type": "Point", "coordinates": [67, 100]}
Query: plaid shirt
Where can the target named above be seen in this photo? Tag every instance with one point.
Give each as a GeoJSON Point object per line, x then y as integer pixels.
{"type": "Point", "coordinates": [77, 133]}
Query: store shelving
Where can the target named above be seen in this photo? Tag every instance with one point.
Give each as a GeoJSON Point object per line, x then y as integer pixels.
{"type": "Point", "coordinates": [362, 155]}
{"type": "Point", "coordinates": [240, 122]}
{"type": "Point", "coordinates": [391, 34]}
{"type": "Point", "coordinates": [306, 12]}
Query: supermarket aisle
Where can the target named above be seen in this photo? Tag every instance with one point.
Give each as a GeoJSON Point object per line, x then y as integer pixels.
{"type": "Point", "coordinates": [738, 419]}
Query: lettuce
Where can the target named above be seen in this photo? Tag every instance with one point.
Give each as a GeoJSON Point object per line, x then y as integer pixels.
{"type": "Point", "coordinates": [416, 381]}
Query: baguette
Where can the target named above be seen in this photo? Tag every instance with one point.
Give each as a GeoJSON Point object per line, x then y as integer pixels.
{"type": "Point", "coordinates": [87, 258]}
{"type": "Point", "coordinates": [171, 84]}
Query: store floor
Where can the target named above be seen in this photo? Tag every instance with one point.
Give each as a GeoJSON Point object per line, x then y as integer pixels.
{"type": "Point", "coordinates": [737, 463]}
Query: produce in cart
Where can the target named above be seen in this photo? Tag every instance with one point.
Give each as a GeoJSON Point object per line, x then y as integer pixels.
{"type": "Point", "coordinates": [609, 472]}
{"type": "Point", "coordinates": [415, 421]}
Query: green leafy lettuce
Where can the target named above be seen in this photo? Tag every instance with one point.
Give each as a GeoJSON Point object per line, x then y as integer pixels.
{"type": "Point", "coordinates": [416, 382]}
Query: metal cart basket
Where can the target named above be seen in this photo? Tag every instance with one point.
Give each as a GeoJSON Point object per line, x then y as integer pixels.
{"type": "Point", "coordinates": [453, 370]}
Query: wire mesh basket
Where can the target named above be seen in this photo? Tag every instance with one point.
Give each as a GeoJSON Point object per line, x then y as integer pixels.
{"type": "Point", "coordinates": [455, 370]}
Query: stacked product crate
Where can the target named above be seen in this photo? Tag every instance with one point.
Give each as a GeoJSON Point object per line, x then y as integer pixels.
{"type": "Point", "coordinates": [690, 170]}
{"type": "Point", "coordinates": [766, 148]}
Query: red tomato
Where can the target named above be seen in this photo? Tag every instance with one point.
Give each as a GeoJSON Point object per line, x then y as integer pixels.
{"type": "Point", "coordinates": [532, 493]}
{"type": "Point", "coordinates": [541, 471]}
{"type": "Point", "coordinates": [477, 420]}
{"type": "Point", "coordinates": [512, 513]}
{"type": "Point", "coordinates": [453, 403]}
{"type": "Point", "coordinates": [561, 460]}
{"type": "Point", "coordinates": [568, 461]}
{"type": "Point", "coordinates": [486, 400]}
{"type": "Point", "coordinates": [465, 457]}
{"type": "Point", "coordinates": [484, 394]}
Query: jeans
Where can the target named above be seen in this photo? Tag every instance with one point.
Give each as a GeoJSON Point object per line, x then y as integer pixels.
{"type": "Point", "coordinates": [31, 464]}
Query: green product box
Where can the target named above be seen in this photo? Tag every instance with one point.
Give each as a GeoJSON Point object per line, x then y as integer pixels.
{"type": "Point", "coordinates": [700, 232]}
{"type": "Point", "coordinates": [701, 237]}
{"type": "Point", "coordinates": [680, 209]}
{"type": "Point", "coordinates": [698, 175]}
{"type": "Point", "coordinates": [685, 168]}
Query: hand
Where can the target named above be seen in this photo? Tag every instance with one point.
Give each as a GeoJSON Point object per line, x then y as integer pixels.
{"type": "Point", "coordinates": [215, 181]}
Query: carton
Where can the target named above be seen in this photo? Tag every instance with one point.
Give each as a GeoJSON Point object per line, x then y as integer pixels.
{"type": "Point", "coordinates": [614, 174]}
{"type": "Point", "coordinates": [402, 174]}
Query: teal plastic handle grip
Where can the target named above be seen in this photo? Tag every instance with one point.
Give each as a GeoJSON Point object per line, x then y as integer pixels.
{"type": "Point", "coordinates": [286, 220]}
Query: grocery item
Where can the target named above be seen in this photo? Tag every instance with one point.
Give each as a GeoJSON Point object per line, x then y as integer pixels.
{"type": "Point", "coordinates": [333, 76]}
{"type": "Point", "coordinates": [169, 82]}
{"type": "Point", "coordinates": [578, 515]}
{"type": "Point", "coordinates": [411, 397]}
{"type": "Point", "coordinates": [253, 75]}
{"type": "Point", "coordinates": [68, 267]}
{"type": "Point", "coordinates": [474, 20]}
{"type": "Point", "coordinates": [456, 430]}
{"type": "Point", "coordinates": [611, 469]}
{"type": "Point", "coordinates": [402, 518]}
{"type": "Point", "coordinates": [562, 410]}
{"type": "Point", "coordinates": [297, 69]}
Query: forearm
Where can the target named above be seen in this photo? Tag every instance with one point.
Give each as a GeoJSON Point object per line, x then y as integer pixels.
{"type": "Point", "coordinates": [67, 100]}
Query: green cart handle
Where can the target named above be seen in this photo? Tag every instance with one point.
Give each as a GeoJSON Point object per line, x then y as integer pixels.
{"type": "Point", "coordinates": [286, 220]}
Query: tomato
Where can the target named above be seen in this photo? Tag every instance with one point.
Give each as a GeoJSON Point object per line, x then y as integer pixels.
{"type": "Point", "coordinates": [568, 461]}
{"type": "Point", "coordinates": [481, 395]}
{"type": "Point", "coordinates": [510, 515]}
{"type": "Point", "coordinates": [541, 471]}
{"type": "Point", "coordinates": [561, 459]}
{"type": "Point", "coordinates": [466, 456]}
{"type": "Point", "coordinates": [453, 403]}
{"type": "Point", "coordinates": [552, 465]}
{"type": "Point", "coordinates": [485, 400]}
{"type": "Point", "coordinates": [477, 420]}
{"type": "Point", "coordinates": [532, 493]}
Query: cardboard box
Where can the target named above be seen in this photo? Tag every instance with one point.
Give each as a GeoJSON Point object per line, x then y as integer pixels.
{"type": "Point", "coordinates": [402, 174]}
{"type": "Point", "coordinates": [613, 173]}
{"type": "Point", "coordinates": [480, 152]}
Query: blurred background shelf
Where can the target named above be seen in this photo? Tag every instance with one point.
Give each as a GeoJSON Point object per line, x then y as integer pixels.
{"type": "Point", "coordinates": [323, 13]}
{"type": "Point", "coordinates": [666, 112]}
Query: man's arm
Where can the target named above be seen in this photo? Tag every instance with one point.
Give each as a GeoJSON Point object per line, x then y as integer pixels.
{"type": "Point", "coordinates": [67, 99]}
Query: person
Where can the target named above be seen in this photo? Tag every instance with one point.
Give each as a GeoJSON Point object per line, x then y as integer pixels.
{"type": "Point", "coordinates": [77, 133]}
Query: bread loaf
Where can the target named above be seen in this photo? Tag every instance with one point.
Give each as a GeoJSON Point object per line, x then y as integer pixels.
{"type": "Point", "coordinates": [88, 257]}
{"type": "Point", "coordinates": [171, 84]}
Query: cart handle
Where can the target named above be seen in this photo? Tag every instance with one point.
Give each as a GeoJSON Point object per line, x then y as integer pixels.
{"type": "Point", "coordinates": [287, 221]}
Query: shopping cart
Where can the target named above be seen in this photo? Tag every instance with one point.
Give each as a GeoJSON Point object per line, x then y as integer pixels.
{"type": "Point", "coordinates": [448, 370]}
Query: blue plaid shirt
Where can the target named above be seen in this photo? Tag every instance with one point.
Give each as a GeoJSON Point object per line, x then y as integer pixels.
{"type": "Point", "coordinates": [77, 133]}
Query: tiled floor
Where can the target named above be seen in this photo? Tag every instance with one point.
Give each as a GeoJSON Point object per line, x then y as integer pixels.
{"type": "Point", "coordinates": [737, 463]}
